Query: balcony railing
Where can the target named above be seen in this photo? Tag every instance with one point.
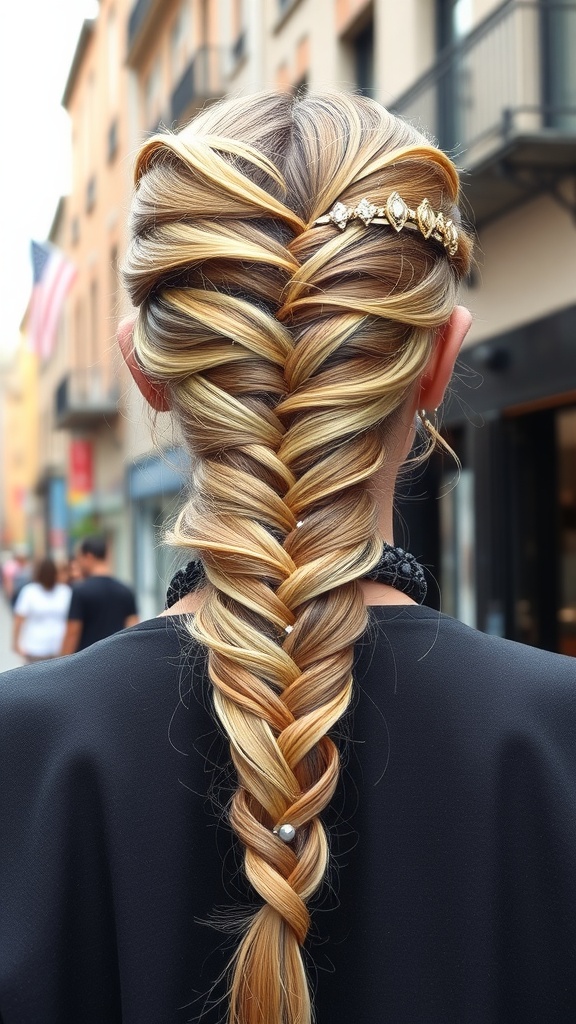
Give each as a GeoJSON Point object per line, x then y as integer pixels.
{"type": "Point", "coordinates": [506, 95]}
{"type": "Point", "coordinates": [85, 398]}
{"type": "Point", "coordinates": [202, 80]}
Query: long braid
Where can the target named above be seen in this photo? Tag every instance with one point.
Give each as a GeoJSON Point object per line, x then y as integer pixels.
{"type": "Point", "coordinates": [283, 364]}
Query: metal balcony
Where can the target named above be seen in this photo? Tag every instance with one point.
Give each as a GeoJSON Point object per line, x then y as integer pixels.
{"type": "Point", "coordinates": [202, 81]}
{"type": "Point", "coordinates": [86, 398]}
{"type": "Point", "coordinates": [502, 101]}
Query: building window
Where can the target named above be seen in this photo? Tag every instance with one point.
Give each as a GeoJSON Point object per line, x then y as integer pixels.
{"type": "Point", "coordinates": [239, 47]}
{"type": "Point", "coordinates": [91, 194]}
{"type": "Point", "coordinates": [363, 46]}
{"type": "Point", "coordinates": [237, 33]}
{"type": "Point", "coordinates": [180, 41]}
{"type": "Point", "coordinates": [152, 91]}
{"type": "Point", "coordinates": [455, 87]}
{"type": "Point", "coordinates": [558, 36]}
{"type": "Point", "coordinates": [455, 19]}
{"type": "Point", "coordinates": [112, 140]}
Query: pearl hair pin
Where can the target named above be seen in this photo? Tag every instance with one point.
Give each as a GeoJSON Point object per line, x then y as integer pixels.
{"type": "Point", "coordinates": [285, 832]}
{"type": "Point", "coordinates": [288, 629]}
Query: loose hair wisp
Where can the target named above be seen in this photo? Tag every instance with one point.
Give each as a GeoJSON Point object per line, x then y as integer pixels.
{"type": "Point", "coordinates": [285, 349]}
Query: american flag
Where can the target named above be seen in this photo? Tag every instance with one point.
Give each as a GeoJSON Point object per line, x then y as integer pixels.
{"type": "Point", "coordinates": [53, 276]}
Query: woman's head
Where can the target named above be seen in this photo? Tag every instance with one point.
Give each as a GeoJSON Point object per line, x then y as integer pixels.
{"type": "Point", "coordinates": [233, 199]}
{"type": "Point", "coordinates": [293, 356]}
{"type": "Point", "coordinates": [46, 573]}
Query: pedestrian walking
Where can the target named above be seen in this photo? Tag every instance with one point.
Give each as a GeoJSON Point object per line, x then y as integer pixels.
{"type": "Point", "coordinates": [100, 605]}
{"type": "Point", "coordinates": [299, 793]}
{"type": "Point", "coordinates": [16, 573]}
{"type": "Point", "coordinates": [9, 570]}
{"type": "Point", "coordinates": [69, 571]}
{"type": "Point", "coordinates": [40, 614]}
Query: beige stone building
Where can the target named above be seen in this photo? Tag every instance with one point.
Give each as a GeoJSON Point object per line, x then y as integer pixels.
{"type": "Point", "coordinates": [18, 446]}
{"type": "Point", "coordinates": [495, 83]}
{"type": "Point", "coordinates": [81, 480]}
{"type": "Point", "coordinates": [500, 94]}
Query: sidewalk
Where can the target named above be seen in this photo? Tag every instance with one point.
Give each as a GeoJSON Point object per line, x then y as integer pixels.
{"type": "Point", "coordinates": [7, 657]}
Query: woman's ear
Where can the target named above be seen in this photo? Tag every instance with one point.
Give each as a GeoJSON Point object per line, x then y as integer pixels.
{"type": "Point", "coordinates": [437, 374]}
{"type": "Point", "coordinates": [154, 393]}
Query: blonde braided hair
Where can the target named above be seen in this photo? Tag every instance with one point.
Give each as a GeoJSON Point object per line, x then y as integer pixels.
{"type": "Point", "coordinates": [286, 350]}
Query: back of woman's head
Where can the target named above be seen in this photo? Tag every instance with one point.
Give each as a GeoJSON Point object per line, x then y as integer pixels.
{"type": "Point", "coordinates": [46, 573]}
{"type": "Point", "coordinates": [286, 349]}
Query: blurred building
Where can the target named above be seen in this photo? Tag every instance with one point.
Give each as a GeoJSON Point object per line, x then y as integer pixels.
{"type": "Point", "coordinates": [495, 83]}
{"type": "Point", "coordinates": [18, 446]}
{"type": "Point", "coordinates": [501, 94]}
{"type": "Point", "coordinates": [80, 483]}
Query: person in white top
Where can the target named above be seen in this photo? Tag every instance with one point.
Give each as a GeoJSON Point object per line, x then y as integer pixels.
{"type": "Point", "coordinates": [40, 614]}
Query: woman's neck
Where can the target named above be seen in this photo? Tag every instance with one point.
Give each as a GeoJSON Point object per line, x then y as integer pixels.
{"type": "Point", "coordinates": [375, 594]}
{"type": "Point", "coordinates": [382, 486]}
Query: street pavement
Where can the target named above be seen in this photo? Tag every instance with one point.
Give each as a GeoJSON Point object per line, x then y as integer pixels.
{"type": "Point", "coordinates": [7, 657]}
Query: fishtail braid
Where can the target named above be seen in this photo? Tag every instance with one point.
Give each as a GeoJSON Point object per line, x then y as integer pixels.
{"type": "Point", "coordinates": [287, 352]}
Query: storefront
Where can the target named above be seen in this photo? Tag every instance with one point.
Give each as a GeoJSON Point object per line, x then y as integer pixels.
{"type": "Point", "coordinates": [155, 495]}
{"type": "Point", "coordinates": [502, 543]}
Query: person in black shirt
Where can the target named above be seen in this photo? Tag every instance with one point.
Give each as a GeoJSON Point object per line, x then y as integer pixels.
{"type": "Point", "coordinates": [364, 809]}
{"type": "Point", "coordinates": [100, 605]}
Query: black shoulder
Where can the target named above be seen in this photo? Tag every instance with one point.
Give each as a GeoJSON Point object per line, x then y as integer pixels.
{"type": "Point", "coordinates": [516, 682]}
{"type": "Point", "coordinates": [462, 666]}
{"type": "Point", "coordinates": [142, 659]}
{"type": "Point", "coordinates": [517, 659]}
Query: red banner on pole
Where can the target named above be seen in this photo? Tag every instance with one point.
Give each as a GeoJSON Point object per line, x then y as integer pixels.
{"type": "Point", "coordinates": [81, 471]}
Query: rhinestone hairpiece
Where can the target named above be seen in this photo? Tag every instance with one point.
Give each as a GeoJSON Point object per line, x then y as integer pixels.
{"type": "Point", "coordinates": [397, 214]}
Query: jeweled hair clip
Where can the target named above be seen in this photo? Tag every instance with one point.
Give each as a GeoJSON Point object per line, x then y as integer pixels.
{"type": "Point", "coordinates": [397, 214]}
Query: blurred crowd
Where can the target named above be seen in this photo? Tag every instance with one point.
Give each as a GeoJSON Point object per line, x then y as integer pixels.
{"type": "Point", "coordinates": [60, 608]}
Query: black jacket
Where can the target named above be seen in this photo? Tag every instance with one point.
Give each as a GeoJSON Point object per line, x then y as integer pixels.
{"type": "Point", "coordinates": [452, 893]}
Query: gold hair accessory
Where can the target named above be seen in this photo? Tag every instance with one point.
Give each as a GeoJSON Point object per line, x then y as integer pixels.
{"type": "Point", "coordinates": [397, 214]}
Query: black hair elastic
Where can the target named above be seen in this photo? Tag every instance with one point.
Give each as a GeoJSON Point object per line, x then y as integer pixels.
{"type": "Point", "coordinates": [397, 568]}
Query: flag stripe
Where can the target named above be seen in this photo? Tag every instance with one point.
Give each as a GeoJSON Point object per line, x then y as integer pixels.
{"type": "Point", "coordinates": [59, 280]}
{"type": "Point", "coordinates": [53, 278]}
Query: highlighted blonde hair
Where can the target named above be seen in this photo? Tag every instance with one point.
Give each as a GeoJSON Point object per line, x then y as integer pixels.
{"type": "Point", "coordinates": [285, 349]}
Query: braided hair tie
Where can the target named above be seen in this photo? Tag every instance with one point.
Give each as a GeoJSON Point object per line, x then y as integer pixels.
{"type": "Point", "coordinates": [397, 568]}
